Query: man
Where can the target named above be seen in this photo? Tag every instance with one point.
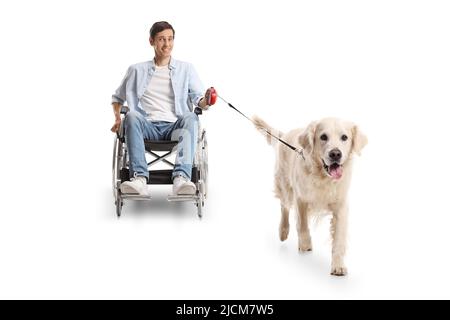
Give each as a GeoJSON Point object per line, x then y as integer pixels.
{"type": "Point", "coordinates": [160, 94]}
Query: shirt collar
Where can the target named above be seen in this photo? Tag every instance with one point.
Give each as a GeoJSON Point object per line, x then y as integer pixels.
{"type": "Point", "coordinates": [172, 64]}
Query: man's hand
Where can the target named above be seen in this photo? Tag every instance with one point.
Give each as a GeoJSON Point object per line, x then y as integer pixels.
{"type": "Point", "coordinates": [116, 125]}
{"type": "Point", "coordinates": [211, 96]}
{"type": "Point", "coordinates": [209, 99]}
{"type": "Point", "coordinates": [116, 109]}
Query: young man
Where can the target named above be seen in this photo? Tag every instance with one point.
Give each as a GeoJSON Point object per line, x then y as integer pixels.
{"type": "Point", "coordinates": [160, 94]}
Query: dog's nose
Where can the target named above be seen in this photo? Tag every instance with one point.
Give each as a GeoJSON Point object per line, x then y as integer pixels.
{"type": "Point", "coordinates": [335, 155]}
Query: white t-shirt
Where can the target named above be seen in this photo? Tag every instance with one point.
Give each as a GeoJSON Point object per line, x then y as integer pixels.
{"type": "Point", "coordinates": [158, 99]}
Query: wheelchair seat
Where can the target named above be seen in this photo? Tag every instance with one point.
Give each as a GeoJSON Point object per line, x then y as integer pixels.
{"type": "Point", "coordinates": [153, 145]}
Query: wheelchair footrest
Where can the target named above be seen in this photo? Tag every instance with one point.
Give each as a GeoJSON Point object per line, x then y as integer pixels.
{"type": "Point", "coordinates": [158, 176]}
{"type": "Point", "coordinates": [135, 197]}
{"type": "Point", "coordinates": [173, 198]}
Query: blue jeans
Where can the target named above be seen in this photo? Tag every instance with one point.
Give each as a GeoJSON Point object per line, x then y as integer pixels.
{"type": "Point", "coordinates": [185, 130]}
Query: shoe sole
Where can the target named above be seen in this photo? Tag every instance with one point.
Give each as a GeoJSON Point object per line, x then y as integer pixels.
{"type": "Point", "coordinates": [186, 191]}
{"type": "Point", "coordinates": [129, 190]}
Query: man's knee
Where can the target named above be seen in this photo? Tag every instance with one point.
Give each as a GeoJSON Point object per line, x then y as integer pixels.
{"type": "Point", "coordinates": [190, 118]}
{"type": "Point", "coordinates": [132, 118]}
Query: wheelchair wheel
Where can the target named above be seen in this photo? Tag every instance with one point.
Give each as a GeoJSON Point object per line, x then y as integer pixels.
{"type": "Point", "coordinates": [115, 164]}
{"type": "Point", "coordinates": [204, 166]}
{"type": "Point", "coordinates": [118, 159]}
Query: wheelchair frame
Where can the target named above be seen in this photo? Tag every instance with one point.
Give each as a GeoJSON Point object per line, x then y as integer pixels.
{"type": "Point", "coordinates": [120, 168]}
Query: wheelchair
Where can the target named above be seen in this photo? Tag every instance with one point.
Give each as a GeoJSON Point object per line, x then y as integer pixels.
{"type": "Point", "coordinates": [159, 151]}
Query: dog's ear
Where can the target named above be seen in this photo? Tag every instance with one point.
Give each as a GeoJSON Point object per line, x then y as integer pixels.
{"type": "Point", "coordinates": [359, 140]}
{"type": "Point", "coordinates": [306, 139]}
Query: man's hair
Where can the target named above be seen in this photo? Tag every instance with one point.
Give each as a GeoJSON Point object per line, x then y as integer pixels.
{"type": "Point", "coordinates": [160, 26]}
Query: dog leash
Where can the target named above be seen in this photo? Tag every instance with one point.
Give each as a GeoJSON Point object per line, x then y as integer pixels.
{"type": "Point", "coordinates": [297, 150]}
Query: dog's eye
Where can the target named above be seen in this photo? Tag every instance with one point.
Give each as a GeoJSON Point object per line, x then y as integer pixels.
{"type": "Point", "coordinates": [324, 137]}
{"type": "Point", "coordinates": [344, 137]}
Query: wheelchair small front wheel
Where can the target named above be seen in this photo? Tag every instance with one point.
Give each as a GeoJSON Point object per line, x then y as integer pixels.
{"type": "Point", "coordinates": [119, 204]}
{"type": "Point", "coordinates": [199, 209]}
{"type": "Point", "coordinates": [200, 203]}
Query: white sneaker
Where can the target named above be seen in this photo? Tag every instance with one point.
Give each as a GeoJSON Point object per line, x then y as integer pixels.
{"type": "Point", "coordinates": [137, 185]}
{"type": "Point", "coordinates": [182, 186]}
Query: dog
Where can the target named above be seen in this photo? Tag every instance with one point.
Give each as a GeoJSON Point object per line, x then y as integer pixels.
{"type": "Point", "coordinates": [317, 180]}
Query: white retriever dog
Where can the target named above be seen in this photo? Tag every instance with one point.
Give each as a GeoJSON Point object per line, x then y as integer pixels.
{"type": "Point", "coordinates": [318, 181]}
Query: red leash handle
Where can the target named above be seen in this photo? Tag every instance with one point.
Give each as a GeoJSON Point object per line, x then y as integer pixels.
{"type": "Point", "coordinates": [212, 96]}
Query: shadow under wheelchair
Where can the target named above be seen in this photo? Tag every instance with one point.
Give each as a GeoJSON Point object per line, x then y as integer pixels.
{"type": "Point", "coordinates": [158, 206]}
{"type": "Point", "coordinates": [159, 152]}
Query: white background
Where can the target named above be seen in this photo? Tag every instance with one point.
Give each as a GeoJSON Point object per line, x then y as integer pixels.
{"type": "Point", "coordinates": [381, 64]}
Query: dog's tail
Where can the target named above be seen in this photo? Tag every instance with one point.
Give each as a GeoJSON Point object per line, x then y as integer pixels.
{"type": "Point", "coordinates": [263, 127]}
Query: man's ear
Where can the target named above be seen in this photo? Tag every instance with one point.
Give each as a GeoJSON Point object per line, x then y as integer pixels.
{"type": "Point", "coordinates": [306, 139]}
{"type": "Point", "coordinates": [151, 41]}
{"type": "Point", "coordinates": [359, 140]}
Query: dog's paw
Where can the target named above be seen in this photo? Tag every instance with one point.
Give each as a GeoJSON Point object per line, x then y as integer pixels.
{"type": "Point", "coordinates": [284, 232]}
{"type": "Point", "coordinates": [338, 271]}
{"type": "Point", "coordinates": [304, 247]}
{"type": "Point", "coordinates": [304, 243]}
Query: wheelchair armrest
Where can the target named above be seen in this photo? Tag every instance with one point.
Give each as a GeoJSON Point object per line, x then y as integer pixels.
{"type": "Point", "coordinates": [124, 110]}
{"type": "Point", "coordinates": [121, 132]}
{"type": "Point", "coordinates": [198, 111]}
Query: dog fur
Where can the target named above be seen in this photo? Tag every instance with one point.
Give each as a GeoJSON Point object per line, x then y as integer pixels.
{"type": "Point", "coordinates": [316, 182]}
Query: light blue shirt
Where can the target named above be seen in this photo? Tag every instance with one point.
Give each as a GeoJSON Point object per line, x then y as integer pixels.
{"type": "Point", "coordinates": [186, 85]}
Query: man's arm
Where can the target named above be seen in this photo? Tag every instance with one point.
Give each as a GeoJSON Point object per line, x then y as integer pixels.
{"type": "Point", "coordinates": [120, 95]}
{"type": "Point", "coordinates": [116, 108]}
{"type": "Point", "coordinates": [195, 92]}
{"type": "Point", "coordinates": [119, 98]}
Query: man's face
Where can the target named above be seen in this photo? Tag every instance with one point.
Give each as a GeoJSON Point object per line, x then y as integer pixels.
{"type": "Point", "coordinates": [163, 43]}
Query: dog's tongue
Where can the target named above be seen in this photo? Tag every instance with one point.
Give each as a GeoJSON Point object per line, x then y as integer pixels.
{"type": "Point", "coordinates": [336, 172]}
